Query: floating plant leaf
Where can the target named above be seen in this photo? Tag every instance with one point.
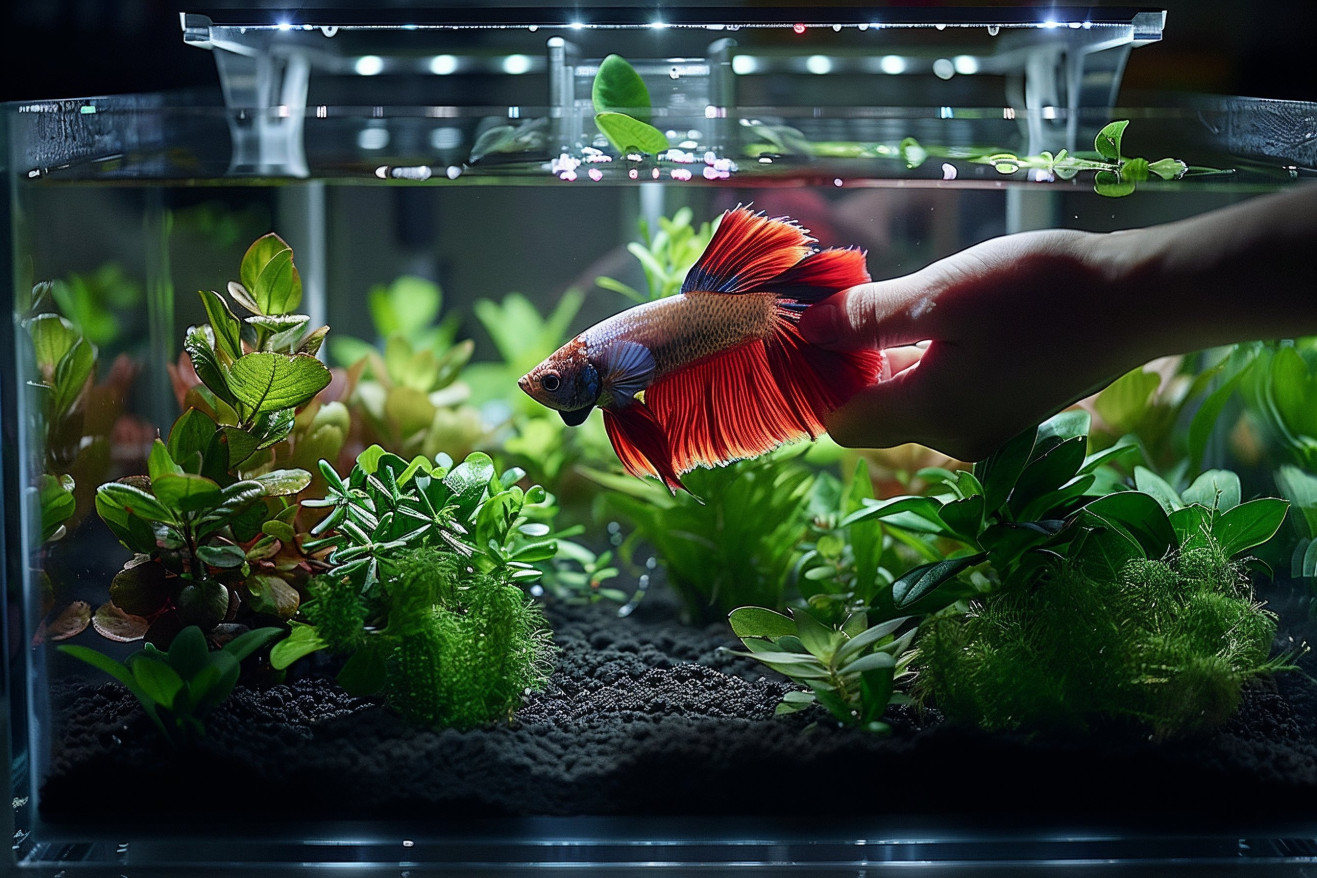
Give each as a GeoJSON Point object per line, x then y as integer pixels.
{"type": "Point", "coordinates": [1107, 142]}
{"type": "Point", "coordinates": [631, 135]}
{"type": "Point", "coordinates": [618, 87]}
{"type": "Point", "coordinates": [1111, 184]}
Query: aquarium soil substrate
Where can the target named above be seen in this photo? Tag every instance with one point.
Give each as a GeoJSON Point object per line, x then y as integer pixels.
{"type": "Point", "coordinates": [646, 716]}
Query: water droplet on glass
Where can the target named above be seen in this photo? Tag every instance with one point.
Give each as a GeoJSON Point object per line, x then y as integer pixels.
{"type": "Point", "coordinates": [994, 29]}
{"type": "Point", "coordinates": [329, 30]}
{"type": "Point", "coordinates": [940, 26]}
{"type": "Point", "coordinates": [453, 172]}
{"type": "Point", "coordinates": [838, 182]}
{"type": "Point", "coordinates": [948, 171]}
{"type": "Point", "coordinates": [407, 842]}
{"type": "Point", "coordinates": [674, 73]}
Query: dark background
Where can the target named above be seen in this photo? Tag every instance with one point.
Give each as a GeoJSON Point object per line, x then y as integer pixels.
{"type": "Point", "coordinates": [82, 48]}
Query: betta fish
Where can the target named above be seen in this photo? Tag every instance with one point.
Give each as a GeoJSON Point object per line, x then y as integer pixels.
{"type": "Point", "coordinates": [718, 372]}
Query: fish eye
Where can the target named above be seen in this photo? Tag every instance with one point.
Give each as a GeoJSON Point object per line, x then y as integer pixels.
{"type": "Point", "coordinates": [551, 381]}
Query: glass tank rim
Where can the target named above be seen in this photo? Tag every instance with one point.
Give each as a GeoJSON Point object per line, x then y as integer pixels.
{"type": "Point", "coordinates": [693, 16]}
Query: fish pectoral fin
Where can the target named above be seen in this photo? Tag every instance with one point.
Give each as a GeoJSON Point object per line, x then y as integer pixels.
{"type": "Point", "coordinates": [575, 418]}
{"type": "Point", "coordinates": [640, 443]}
{"type": "Point", "coordinates": [627, 368]}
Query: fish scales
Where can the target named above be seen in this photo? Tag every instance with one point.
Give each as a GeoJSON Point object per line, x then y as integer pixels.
{"type": "Point", "coordinates": [684, 329]}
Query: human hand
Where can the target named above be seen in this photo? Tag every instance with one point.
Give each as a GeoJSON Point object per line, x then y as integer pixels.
{"type": "Point", "coordinates": [982, 344]}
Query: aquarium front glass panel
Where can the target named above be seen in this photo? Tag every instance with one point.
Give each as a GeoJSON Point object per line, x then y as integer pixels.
{"type": "Point", "coordinates": [456, 211]}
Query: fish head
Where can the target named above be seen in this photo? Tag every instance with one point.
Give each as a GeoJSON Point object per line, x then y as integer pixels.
{"type": "Point", "coordinates": [566, 382]}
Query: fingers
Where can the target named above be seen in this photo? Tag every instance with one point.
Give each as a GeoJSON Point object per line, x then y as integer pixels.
{"type": "Point", "coordinates": [882, 314]}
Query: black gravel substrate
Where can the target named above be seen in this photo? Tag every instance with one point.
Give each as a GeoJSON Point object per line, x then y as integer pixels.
{"type": "Point", "coordinates": [645, 716]}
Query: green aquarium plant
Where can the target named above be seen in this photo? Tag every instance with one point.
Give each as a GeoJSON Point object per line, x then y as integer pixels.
{"type": "Point", "coordinates": [665, 254]}
{"type": "Point", "coordinates": [728, 542]}
{"type": "Point", "coordinates": [408, 395]}
{"type": "Point", "coordinates": [1114, 174]}
{"type": "Point", "coordinates": [211, 524]}
{"type": "Point", "coordinates": [851, 670]}
{"type": "Point", "coordinates": [622, 108]}
{"type": "Point", "coordinates": [178, 687]}
{"type": "Point", "coordinates": [423, 592]}
{"type": "Point", "coordinates": [1165, 644]}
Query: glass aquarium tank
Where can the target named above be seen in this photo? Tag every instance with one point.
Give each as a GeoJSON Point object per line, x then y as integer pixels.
{"type": "Point", "coordinates": [297, 577]}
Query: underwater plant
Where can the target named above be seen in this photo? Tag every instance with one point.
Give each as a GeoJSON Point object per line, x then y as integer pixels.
{"type": "Point", "coordinates": [422, 595]}
{"type": "Point", "coordinates": [665, 254]}
{"type": "Point", "coordinates": [851, 670]}
{"type": "Point", "coordinates": [732, 540]}
{"type": "Point", "coordinates": [1167, 643]}
{"type": "Point", "coordinates": [407, 395]}
{"type": "Point", "coordinates": [180, 686]}
{"type": "Point", "coordinates": [622, 108]}
{"type": "Point", "coordinates": [211, 525]}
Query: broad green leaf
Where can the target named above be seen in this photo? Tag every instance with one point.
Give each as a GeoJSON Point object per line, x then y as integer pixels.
{"type": "Point", "coordinates": [283, 482]}
{"type": "Point", "coordinates": [1193, 526]}
{"type": "Point", "coordinates": [1156, 487]}
{"type": "Point", "coordinates": [270, 277]}
{"type": "Point", "coordinates": [192, 434]}
{"type": "Point", "coordinates": [1248, 524]}
{"type": "Point", "coordinates": [618, 87]}
{"type": "Point", "coordinates": [1124, 402]}
{"type": "Point", "coordinates": [268, 382]}
{"type": "Point", "coordinates": [225, 556]}
{"type": "Point", "coordinates": [1049, 472]}
{"type": "Point", "coordinates": [157, 679]}
{"type": "Point", "coordinates": [135, 501]}
{"type": "Point", "coordinates": [52, 338]}
{"type": "Point", "coordinates": [404, 306]}
{"type": "Point", "coordinates": [226, 327]}
{"type": "Point", "coordinates": [1168, 169]}
{"type": "Point", "coordinates": [924, 579]}
{"type": "Point", "coordinates": [189, 652]}
{"type": "Point", "coordinates": [1111, 185]}
{"type": "Point", "coordinates": [1070, 424]}
{"type": "Point", "coordinates": [868, 638]}
{"type": "Point", "coordinates": [760, 622]}
{"type": "Point", "coordinates": [1000, 470]}
{"type": "Point", "coordinates": [630, 135]}
{"type": "Point", "coordinates": [365, 672]}
{"type": "Point", "coordinates": [72, 373]}
{"type": "Point", "coordinates": [272, 595]}
{"type": "Point", "coordinates": [469, 480]}
{"type": "Point", "coordinates": [103, 662]}
{"type": "Point", "coordinates": [1107, 142]}
{"type": "Point", "coordinates": [186, 492]}
{"type": "Point", "coordinates": [207, 365]}
{"type": "Point", "coordinates": [1216, 489]}
{"type": "Point", "coordinates": [1300, 488]}
{"type": "Point", "coordinates": [1139, 515]}
{"type": "Point", "coordinates": [819, 639]}
{"type": "Point", "coordinates": [300, 642]}
{"type": "Point", "coordinates": [1100, 553]}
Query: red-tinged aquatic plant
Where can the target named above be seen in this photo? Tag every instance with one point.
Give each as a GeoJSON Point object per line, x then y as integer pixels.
{"type": "Point", "coordinates": [211, 525]}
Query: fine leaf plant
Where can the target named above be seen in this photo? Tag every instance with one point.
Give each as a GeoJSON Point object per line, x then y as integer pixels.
{"type": "Point", "coordinates": [423, 594]}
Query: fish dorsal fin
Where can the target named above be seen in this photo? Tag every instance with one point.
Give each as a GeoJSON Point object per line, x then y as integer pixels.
{"type": "Point", "coordinates": [747, 250]}
{"type": "Point", "coordinates": [626, 368]}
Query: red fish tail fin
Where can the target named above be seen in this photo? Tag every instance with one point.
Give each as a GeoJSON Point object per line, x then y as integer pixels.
{"type": "Point", "coordinates": [814, 381]}
{"type": "Point", "coordinates": [641, 443]}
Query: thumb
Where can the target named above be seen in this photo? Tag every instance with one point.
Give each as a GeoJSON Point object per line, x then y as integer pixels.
{"type": "Point", "coordinates": [879, 315]}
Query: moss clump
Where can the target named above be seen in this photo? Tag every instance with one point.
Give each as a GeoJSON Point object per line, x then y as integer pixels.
{"type": "Point", "coordinates": [1168, 644]}
{"type": "Point", "coordinates": [453, 647]}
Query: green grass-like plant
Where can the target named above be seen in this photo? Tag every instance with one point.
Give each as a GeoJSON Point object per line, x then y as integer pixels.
{"type": "Point", "coordinates": [178, 687]}
{"type": "Point", "coordinates": [1167, 644]}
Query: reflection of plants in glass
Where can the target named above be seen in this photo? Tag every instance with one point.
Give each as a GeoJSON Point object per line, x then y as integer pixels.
{"type": "Point", "coordinates": [180, 686]}
{"type": "Point", "coordinates": [851, 670]}
{"type": "Point", "coordinates": [211, 524]}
